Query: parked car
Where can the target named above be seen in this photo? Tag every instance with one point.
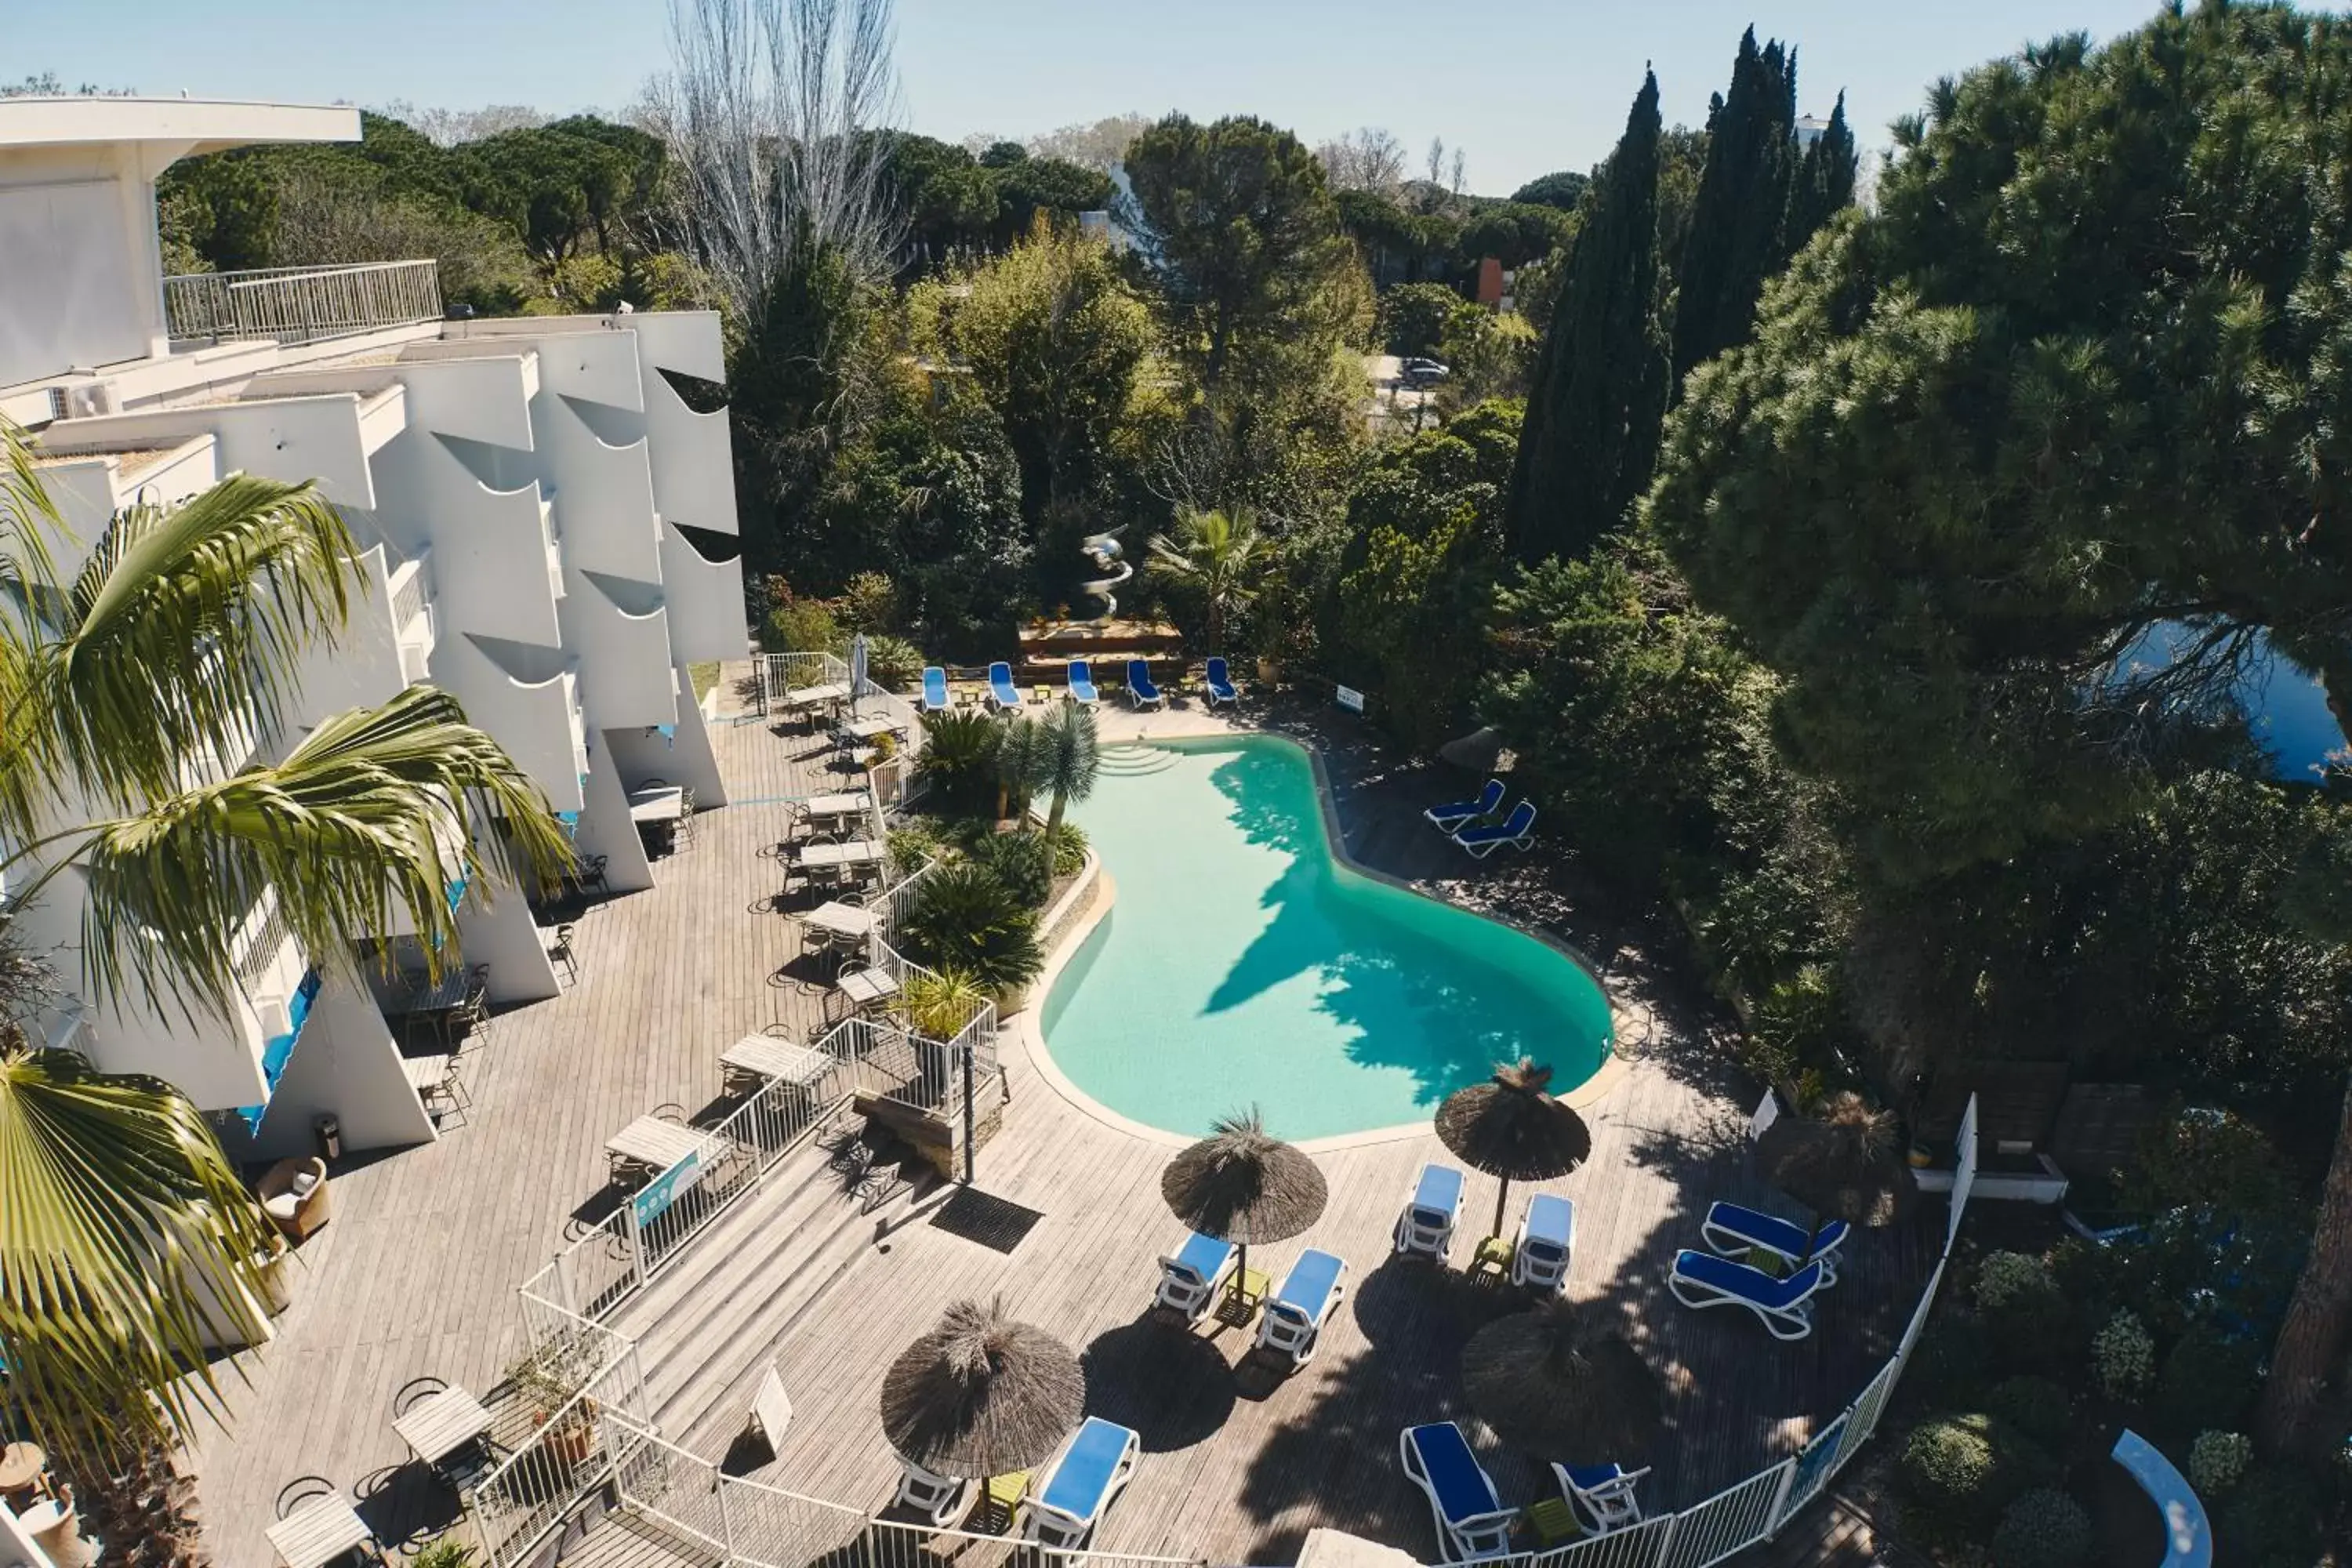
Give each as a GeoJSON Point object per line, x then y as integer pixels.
{"type": "Point", "coordinates": [1423, 372]}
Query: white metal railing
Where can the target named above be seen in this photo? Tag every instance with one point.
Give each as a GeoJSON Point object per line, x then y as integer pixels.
{"type": "Point", "coordinates": [408, 595]}
{"type": "Point", "coordinates": [783, 672]}
{"type": "Point", "coordinates": [302, 304]}
{"type": "Point", "coordinates": [575, 1446]}
{"type": "Point", "coordinates": [268, 941]}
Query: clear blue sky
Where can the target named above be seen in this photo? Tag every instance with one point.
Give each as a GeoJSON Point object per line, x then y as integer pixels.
{"type": "Point", "coordinates": [1524, 87]}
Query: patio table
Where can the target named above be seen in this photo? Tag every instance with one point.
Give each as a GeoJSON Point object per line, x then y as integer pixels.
{"type": "Point", "coordinates": [864, 987]}
{"type": "Point", "coordinates": [768, 1057]}
{"type": "Point", "coordinates": [659, 802]}
{"type": "Point", "coordinates": [442, 1424]}
{"type": "Point", "coordinates": [318, 1532]}
{"type": "Point", "coordinates": [653, 1143]}
{"type": "Point", "coordinates": [856, 852]}
{"type": "Point", "coordinates": [841, 922]}
{"type": "Point", "coordinates": [837, 805]}
{"type": "Point", "coordinates": [867, 728]}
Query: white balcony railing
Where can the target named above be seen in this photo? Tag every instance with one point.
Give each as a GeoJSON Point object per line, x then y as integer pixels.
{"type": "Point", "coordinates": [302, 304]}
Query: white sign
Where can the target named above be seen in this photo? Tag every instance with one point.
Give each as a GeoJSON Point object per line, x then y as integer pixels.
{"type": "Point", "coordinates": [1351, 700]}
{"type": "Point", "coordinates": [1766, 1114]}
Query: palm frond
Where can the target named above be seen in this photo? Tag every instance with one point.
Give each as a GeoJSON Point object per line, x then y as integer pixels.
{"type": "Point", "coordinates": [177, 640]}
{"type": "Point", "coordinates": [119, 1214]}
{"type": "Point", "coordinates": [368, 814]}
{"type": "Point", "coordinates": [27, 519]}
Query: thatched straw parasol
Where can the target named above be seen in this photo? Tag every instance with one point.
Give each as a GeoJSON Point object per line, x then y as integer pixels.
{"type": "Point", "coordinates": [1549, 1381]}
{"type": "Point", "coordinates": [982, 1394]}
{"type": "Point", "coordinates": [1242, 1184]}
{"type": "Point", "coordinates": [1842, 1162]}
{"type": "Point", "coordinates": [1512, 1127]}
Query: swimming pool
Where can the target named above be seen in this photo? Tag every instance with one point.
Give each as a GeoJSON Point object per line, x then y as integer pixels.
{"type": "Point", "coordinates": [1241, 964]}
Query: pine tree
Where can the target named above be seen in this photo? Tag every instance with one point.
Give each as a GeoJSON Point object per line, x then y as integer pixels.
{"type": "Point", "coordinates": [1825, 183]}
{"type": "Point", "coordinates": [1737, 224]}
{"type": "Point", "coordinates": [1597, 399]}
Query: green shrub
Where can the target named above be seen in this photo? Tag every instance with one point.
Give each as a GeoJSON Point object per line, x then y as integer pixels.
{"type": "Point", "coordinates": [2043, 1529]}
{"type": "Point", "coordinates": [1954, 1360]}
{"type": "Point", "coordinates": [1069, 849]}
{"type": "Point", "coordinates": [1022, 862]}
{"type": "Point", "coordinates": [1962, 1468]}
{"type": "Point", "coordinates": [2218, 1461]}
{"type": "Point", "coordinates": [2036, 1406]}
{"type": "Point", "coordinates": [2205, 1381]}
{"type": "Point", "coordinates": [2023, 1311]}
{"type": "Point", "coordinates": [2003, 1278]}
{"type": "Point", "coordinates": [2122, 1357]}
{"type": "Point", "coordinates": [964, 918]}
{"type": "Point", "coordinates": [870, 604]}
{"type": "Point", "coordinates": [803, 625]}
{"type": "Point", "coordinates": [2271, 1520]}
{"type": "Point", "coordinates": [959, 758]}
{"type": "Point", "coordinates": [912, 847]}
{"type": "Point", "coordinates": [892, 662]}
{"type": "Point", "coordinates": [448, 1552]}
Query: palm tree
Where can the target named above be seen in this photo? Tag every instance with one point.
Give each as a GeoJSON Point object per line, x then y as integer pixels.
{"type": "Point", "coordinates": [1221, 554]}
{"type": "Point", "coordinates": [1020, 757]}
{"type": "Point", "coordinates": [130, 692]}
{"type": "Point", "coordinates": [1073, 760]}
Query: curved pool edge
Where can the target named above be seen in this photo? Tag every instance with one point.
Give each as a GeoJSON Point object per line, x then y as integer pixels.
{"type": "Point", "coordinates": [1028, 1031]}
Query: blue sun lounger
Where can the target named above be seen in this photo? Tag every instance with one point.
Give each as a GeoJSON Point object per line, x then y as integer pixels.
{"type": "Point", "coordinates": [1602, 1494]}
{"type": "Point", "coordinates": [1067, 1501]}
{"type": "Point", "coordinates": [1081, 677]}
{"type": "Point", "coordinates": [1002, 693]}
{"type": "Point", "coordinates": [1483, 841]}
{"type": "Point", "coordinates": [1220, 684]}
{"type": "Point", "coordinates": [1189, 1281]}
{"type": "Point", "coordinates": [1454, 813]}
{"type": "Point", "coordinates": [1295, 1314]}
{"type": "Point", "coordinates": [1141, 692]}
{"type": "Point", "coordinates": [1471, 1519]}
{"type": "Point", "coordinates": [1785, 1307]}
{"type": "Point", "coordinates": [1425, 1228]}
{"type": "Point", "coordinates": [935, 689]}
{"type": "Point", "coordinates": [1732, 1230]}
{"type": "Point", "coordinates": [1546, 1234]}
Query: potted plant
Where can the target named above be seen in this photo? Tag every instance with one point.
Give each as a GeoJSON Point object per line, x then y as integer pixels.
{"type": "Point", "coordinates": [548, 1380]}
{"type": "Point", "coordinates": [939, 1005]}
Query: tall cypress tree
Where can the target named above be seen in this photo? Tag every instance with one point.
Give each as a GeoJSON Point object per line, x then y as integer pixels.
{"type": "Point", "coordinates": [1598, 394]}
{"type": "Point", "coordinates": [1737, 219]}
{"type": "Point", "coordinates": [1824, 182]}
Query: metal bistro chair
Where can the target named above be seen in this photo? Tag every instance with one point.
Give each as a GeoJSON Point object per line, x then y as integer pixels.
{"type": "Point", "coordinates": [587, 871]}
{"type": "Point", "coordinates": [686, 815]}
{"type": "Point", "coordinates": [474, 1012]}
{"type": "Point", "coordinates": [564, 954]}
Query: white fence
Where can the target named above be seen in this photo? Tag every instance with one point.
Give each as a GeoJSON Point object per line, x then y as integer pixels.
{"type": "Point", "coordinates": [1753, 1511]}
{"type": "Point", "coordinates": [588, 1395]}
{"type": "Point", "coordinates": [302, 304]}
{"type": "Point", "coordinates": [785, 672]}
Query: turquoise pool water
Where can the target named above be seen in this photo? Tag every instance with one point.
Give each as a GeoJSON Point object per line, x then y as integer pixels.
{"type": "Point", "coordinates": [1241, 964]}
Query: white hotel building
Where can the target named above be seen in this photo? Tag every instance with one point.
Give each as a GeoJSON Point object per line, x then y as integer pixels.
{"type": "Point", "coordinates": [544, 529]}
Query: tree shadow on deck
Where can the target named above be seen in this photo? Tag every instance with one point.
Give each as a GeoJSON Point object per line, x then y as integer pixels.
{"type": "Point", "coordinates": [1172, 1385]}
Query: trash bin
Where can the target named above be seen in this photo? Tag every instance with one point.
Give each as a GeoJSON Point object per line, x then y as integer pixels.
{"type": "Point", "coordinates": [331, 1137]}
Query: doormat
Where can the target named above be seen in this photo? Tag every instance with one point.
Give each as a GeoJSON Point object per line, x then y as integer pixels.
{"type": "Point", "coordinates": [990, 1221]}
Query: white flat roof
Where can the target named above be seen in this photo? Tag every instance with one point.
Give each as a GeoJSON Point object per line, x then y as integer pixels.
{"type": "Point", "coordinates": [203, 124]}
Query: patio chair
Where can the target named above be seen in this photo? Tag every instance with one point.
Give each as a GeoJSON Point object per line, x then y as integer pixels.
{"type": "Point", "coordinates": [1218, 684]}
{"type": "Point", "coordinates": [1295, 1315]}
{"type": "Point", "coordinates": [1785, 1307]}
{"type": "Point", "coordinates": [1003, 695]}
{"type": "Point", "coordinates": [1732, 1230]}
{"type": "Point", "coordinates": [1540, 1249]}
{"type": "Point", "coordinates": [1189, 1281]}
{"type": "Point", "coordinates": [1069, 1498]}
{"type": "Point", "coordinates": [564, 954]}
{"type": "Point", "coordinates": [938, 1499]}
{"type": "Point", "coordinates": [1454, 813]}
{"type": "Point", "coordinates": [1081, 678]}
{"type": "Point", "coordinates": [1472, 1522]}
{"type": "Point", "coordinates": [1516, 831]}
{"type": "Point", "coordinates": [1141, 692]}
{"type": "Point", "coordinates": [935, 689]}
{"type": "Point", "coordinates": [587, 871]}
{"type": "Point", "coordinates": [293, 1194]}
{"type": "Point", "coordinates": [1602, 1494]}
{"type": "Point", "coordinates": [1431, 1204]}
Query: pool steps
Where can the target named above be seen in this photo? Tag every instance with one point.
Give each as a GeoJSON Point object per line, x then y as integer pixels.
{"type": "Point", "coordinates": [1131, 760]}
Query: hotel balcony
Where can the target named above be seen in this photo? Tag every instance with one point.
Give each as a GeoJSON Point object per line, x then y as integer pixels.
{"type": "Point", "coordinates": [301, 305]}
{"type": "Point", "coordinates": [526, 698]}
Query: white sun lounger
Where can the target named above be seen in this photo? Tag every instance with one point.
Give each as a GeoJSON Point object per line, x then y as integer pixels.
{"type": "Point", "coordinates": [1785, 1307]}
{"type": "Point", "coordinates": [1295, 1314]}
{"type": "Point", "coordinates": [935, 689]}
{"type": "Point", "coordinates": [1218, 684]}
{"type": "Point", "coordinates": [1189, 1281]}
{"type": "Point", "coordinates": [1003, 695]}
{"type": "Point", "coordinates": [1602, 1494]}
{"type": "Point", "coordinates": [1471, 1519]}
{"type": "Point", "coordinates": [1431, 1204]}
{"type": "Point", "coordinates": [1068, 1498]}
{"type": "Point", "coordinates": [1454, 813]}
{"type": "Point", "coordinates": [1732, 1230]}
{"type": "Point", "coordinates": [1081, 678]}
{"type": "Point", "coordinates": [1141, 692]}
{"type": "Point", "coordinates": [1518, 830]}
{"type": "Point", "coordinates": [1546, 1235]}
{"type": "Point", "coordinates": [938, 1499]}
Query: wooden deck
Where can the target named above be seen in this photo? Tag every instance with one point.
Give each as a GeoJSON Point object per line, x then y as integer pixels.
{"type": "Point", "coordinates": [417, 1273]}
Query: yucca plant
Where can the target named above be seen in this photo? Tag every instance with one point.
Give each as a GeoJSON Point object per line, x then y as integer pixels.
{"type": "Point", "coordinates": [139, 684]}
{"type": "Point", "coordinates": [965, 919]}
{"type": "Point", "coordinates": [958, 756]}
{"type": "Point", "coordinates": [1072, 762]}
{"type": "Point", "coordinates": [1023, 752]}
{"type": "Point", "coordinates": [939, 1004]}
